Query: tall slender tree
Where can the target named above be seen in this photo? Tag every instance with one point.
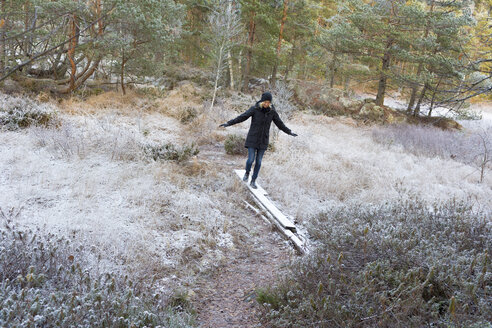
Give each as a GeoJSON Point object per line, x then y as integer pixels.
{"type": "Point", "coordinates": [3, 18]}
{"type": "Point", "coordinates": [279, 43]}
{"type": "Point", "coordinates": [225, 26]}
{"type": "Point", "coordinates": [250, 9]}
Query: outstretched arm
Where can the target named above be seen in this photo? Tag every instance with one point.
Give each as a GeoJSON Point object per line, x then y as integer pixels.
{"type": "Point", "coordinates": [243, 117]}
{"type": "Point", "coordinates": [278, 122]}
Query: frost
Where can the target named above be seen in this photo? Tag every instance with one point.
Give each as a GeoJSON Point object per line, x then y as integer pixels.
{"type": "Point", "coordinates": [21, 112]}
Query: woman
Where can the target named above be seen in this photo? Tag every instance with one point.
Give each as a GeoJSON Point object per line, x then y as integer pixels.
{"type": "Point", "coordinates": [262, 114]}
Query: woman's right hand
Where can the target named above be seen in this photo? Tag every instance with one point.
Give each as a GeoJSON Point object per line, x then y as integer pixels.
{"type": "Point", "coordinates": [224, 125]}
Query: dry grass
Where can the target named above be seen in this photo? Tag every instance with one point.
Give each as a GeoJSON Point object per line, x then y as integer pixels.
{"type": "Point", "coordinates": [128, 104]}
{"type": "Point", "coordinates": [185, 95]}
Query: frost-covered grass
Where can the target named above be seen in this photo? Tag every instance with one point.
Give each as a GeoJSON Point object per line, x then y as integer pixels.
{"type": "Point", "coordinates": [20, 112]}
{"type": "Point", "coordinates": [90, 179]}
{"type": "Point", "coordinates": [74, 140]}
{"type": "Point", "coordinates": [468, 147]}
{"type": "Point", "coordinates": [138, 212]}
{"type": "Point", "coordinates": [400, 264]}
{"type": "Point", "coordinates": [333, 162]}
{"type": "Point", "coordinates": [46, 280]}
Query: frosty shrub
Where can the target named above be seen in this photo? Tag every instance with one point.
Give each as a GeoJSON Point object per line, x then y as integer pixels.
{"type": "Point", "coordinates": [405, 264]}
{"type": "Point", "coordinates": [283, 105]}
{"type": "Point", "coordinates": [234, 145]}
{"type": "Point", "coordinates": [170, 152]}
{"type": "Point", "coordinates": [20, 112]}
{"type": "Point", "coordinates": [45, 281]}
{"type": "Point", "coordinates": [282, 100]}
{"type": "Point", "coordinates": [66, 141]}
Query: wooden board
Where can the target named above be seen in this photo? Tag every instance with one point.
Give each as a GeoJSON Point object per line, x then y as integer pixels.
{"type": "Point", "coordinates": [296, 241]}
{"type": "Point", "coordinates": [261, 195]}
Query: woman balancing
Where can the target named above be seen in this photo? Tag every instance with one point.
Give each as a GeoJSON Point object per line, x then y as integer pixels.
{"type": "Point", "coordinates": [262, 114]}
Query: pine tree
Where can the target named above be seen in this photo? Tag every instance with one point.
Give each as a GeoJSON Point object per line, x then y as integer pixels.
{"type": "Point", "coordinates": [140, 31]}
{"type": "Point", "coordinates": [437, 50]}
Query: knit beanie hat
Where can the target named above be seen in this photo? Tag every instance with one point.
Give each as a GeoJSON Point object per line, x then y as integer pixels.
{"type": "Point", "coordinates": [266, 96]}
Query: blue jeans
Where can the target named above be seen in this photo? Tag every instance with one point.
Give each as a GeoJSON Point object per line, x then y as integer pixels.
{"type": "Point", "coordinates": [252, 153]}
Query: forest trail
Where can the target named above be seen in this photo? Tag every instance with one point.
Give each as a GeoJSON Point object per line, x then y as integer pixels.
{"type": "Point", "coordinates": [227, 296]}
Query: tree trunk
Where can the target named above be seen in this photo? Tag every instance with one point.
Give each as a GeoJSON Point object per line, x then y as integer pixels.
{"type": "Point", "coordinates": [318, 23]}
{"type": "Point", "coordinates": [100, 23]}
{"type": "Point", "coordinates": [59, 67]}
{"type": "Point", "coordinates": [217, 75]}
{"type": "Point", "coordinates": [416, 111]}
{"type": "Point", "coordinates": [304, 70]}
{"type": "Point", "coordinates": [231, 71]}
{"type": "Point", "coordinates": [419, 69]}
{"type": "Point", "coordinates": [434, 97]}
{"type": "Point", "coordinates": [383, 77]}
{"type": "Point", "coordinates": [279, 43]}
{"type": "Point", "coordinates": [413, 95]}
{"type": "Point", "coordinates": [290, 60]}
{"type": "Point", "coordinates": [333, 70]}
{"type": "Point", "coordinates": [26, 28]}
{"type": "Point", "coordinates": [249, 52]}
{"type": "Point", "coordinates": [78, 61]}
{"type": "Point", "coordinates": [71, 50]}
{"type": "Point", "coordinates": [3, 19]}
{"type": "Point", "coordinates": [240, 64]}
{"type": "Point", "coordinates": [122, 78]}
{"type": "Point", "coordinates": [82, 78]}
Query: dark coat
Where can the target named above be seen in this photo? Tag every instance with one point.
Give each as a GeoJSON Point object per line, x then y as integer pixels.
{"type": "Point", "coordinates": [261, 119]}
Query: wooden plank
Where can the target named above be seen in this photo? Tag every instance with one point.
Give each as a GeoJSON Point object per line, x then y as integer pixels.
{"type": "Point", "coordinates": [259, 191]}
{"type": "Point", "coordinates": [296, 241]}
{"type": "Point", "coordinates": [261, 195]}
{"type": "Point", "coordinates": [257, 211]}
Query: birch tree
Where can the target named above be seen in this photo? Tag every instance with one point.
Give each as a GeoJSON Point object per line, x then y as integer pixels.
{"type": "Point", "coordinates": [225, 26]}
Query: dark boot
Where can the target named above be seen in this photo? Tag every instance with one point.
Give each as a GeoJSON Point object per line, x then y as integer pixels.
{"type": "Point", "coordinates": [253, 184]}
{"type": "Point", "coordinates": [246, 176]}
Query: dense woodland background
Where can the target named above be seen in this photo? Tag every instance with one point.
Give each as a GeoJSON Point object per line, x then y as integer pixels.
{"type": "Point", "coordinates": [432, 52]}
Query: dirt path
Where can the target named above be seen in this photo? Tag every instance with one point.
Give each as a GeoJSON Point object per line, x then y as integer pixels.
{"type": "Point", "coordinates": [227, 297]}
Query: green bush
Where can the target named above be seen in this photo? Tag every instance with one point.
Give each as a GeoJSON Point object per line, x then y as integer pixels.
{"type": "Point", "coordinates": [170, 152]}
{"type": "Point", "coordinates": [187, 115]}
{"type": "Point", "coordinates": [46, 281]}
{"type": "Point", "coordinates": [405, 264]}
{"type": "Point", "coordinates": [18, 112]}
{"type": "Point", "coordinates": [234, 145]}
